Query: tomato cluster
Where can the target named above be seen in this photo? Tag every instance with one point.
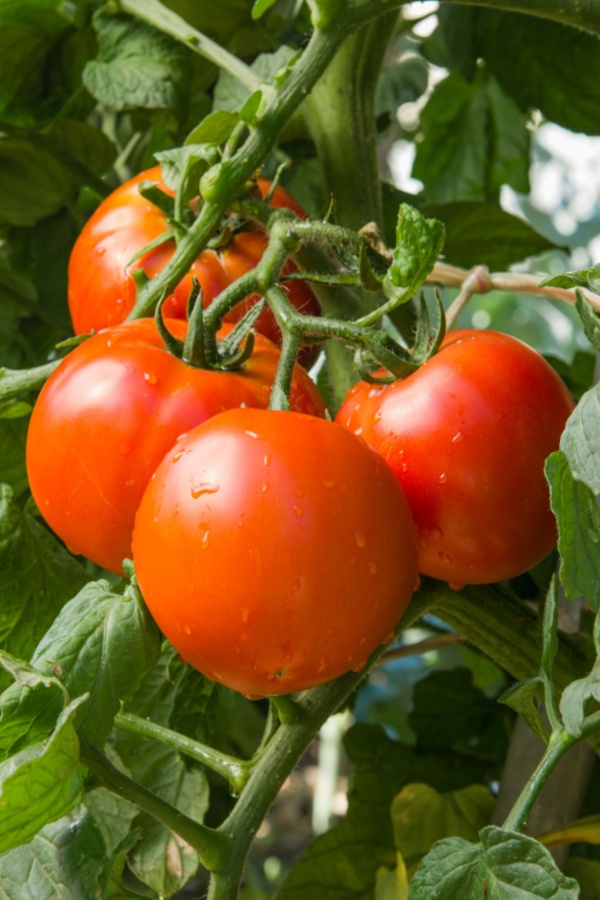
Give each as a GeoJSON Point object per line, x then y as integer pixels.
{"type": "Point", "coordinates": [102, 288]}
{"type": "Point", "coordinates": [277, 550]}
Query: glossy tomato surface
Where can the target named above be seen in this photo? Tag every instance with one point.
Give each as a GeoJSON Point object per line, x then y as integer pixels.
{"type": "Point", "coordinates": [101, 287]}
{"type": "Point", "coordinates": [275, 550]}
{"type": "Point", "coordinates": [110, 412]}
{"type": "Point", "coordinates": [467, 436]}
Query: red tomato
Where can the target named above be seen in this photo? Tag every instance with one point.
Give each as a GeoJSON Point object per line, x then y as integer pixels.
{"type": "Point", "coordinates": [274, 550]}
{"type": "Point", "coordinates": [111, 411]}
{"type": "Point", "coordinates": [101, 287]}
{"type": "Point", "coordinates": [467, 436]}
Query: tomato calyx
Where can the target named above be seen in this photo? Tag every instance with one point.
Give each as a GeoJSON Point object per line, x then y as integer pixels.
{"type": "Point", "coordinates": [200, 348]}
{"type": "Point", "coordinates": [384, 352]}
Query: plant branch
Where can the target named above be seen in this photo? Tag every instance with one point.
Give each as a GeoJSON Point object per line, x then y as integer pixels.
{"type": "Point", "coordinates": [236, 771]}
{"type": "Point", "coordinates": [14, 382]}
{"type": "Point", "coordinates": [206, 841]}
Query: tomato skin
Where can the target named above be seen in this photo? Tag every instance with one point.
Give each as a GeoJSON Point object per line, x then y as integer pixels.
{"type": "Point", "coordinates": [111, 411]}
{"type": "Point", "coordinates": [291, 548]}
{"type": "Point", "coordinates": [102, 291]}
{"type": "Point", "coordinates": [467, 436]}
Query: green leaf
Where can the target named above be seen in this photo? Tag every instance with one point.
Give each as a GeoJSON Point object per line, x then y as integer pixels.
{"type": "Point", "coordinates": [505, 864]}
{"type": "Point", "coordinates": [29, 708]}
{"type": "Point", "coordinates": [29, 31]}
{"type": "Point", "coordinates": [215, 128]}
{"type": "Point", "coordinates": [102, 642]}
{"type": "Point", "coordinates": [419, 242]}
{"type": "Point", "coordinates": [62, 862]}
{"type": "Point", "coordinates": [589, 319]}
{"type": "Point", "coordinates": [587, 874]}
{"type": "Point", "coordinates": [37, 577]}
{"type": "Point", "coordinates": [392, 884]}
{"type": "Point", "coordinates": [474, 140]}
{"type": "Point", "coordinates": [539, 62]}
{"type": "Point", "coordinates": [136, 66]}
{"type": "Point", "coordinates": [482, 233]}
{"type": "Point", "coordinates": [587, 278]}
{"type": "Point", "coordinates": [260, 7]}
{"type": "Point", "coordinates": [33, 182]}
{"type": "Point", "coordinates": [250, 108]}
{"type": "Point", "coordinates": [87, 144]}
{"type": "Point", "coordinates": [549, 631]}
{"type": "Point", "coordinates": [40, 783]}
{"type": "Point", "coordinates": [421, 816]}
{"type": "Point", "coordinates": [523, 698]}
{"type": "Point", "coordinates": [580, 441]}
{"type": "Point", "coordinates": [575, 698]}
{"type": "Point", "coordinates": [344, 862]}
{"type": "Point", "coordinates": [13, 434]}
{"type": "Point", "coordinates": [231, 95]}
{"type": "Point", "coordinates": [578, 518]}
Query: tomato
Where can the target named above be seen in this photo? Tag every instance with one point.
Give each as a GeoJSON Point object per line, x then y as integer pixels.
{"type": "Point", "coordinates": [467, 436]}
{"type": "Point", "coordinates": [102, 291]}
{"type": "Point", "coordinates": [275, 550]}
{"type": "Point", "coordinates": [110, 412]}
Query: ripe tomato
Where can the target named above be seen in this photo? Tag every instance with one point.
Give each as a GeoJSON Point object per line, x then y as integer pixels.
{"type": "Point", "coordinates": [467, 436]}
{"type": "Point", "coordinates": [290, 545]}
{"type": "Point", "coordinates": [101, 287]}
{"type": "Point", "coordinates": [111, 411]}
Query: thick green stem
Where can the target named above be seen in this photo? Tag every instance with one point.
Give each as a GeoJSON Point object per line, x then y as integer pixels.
{"type": "Point", "coordinates": [236, 771]}
{"type": "Point", "coordinates": [207, 842]}
{"type": "Point", "coordinates": [340, 115]}
{"type": "Point", "coordinates": [300, 724]}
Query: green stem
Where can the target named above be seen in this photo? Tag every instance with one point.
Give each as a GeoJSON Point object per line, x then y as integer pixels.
{"type": "Point", "coordinates": [560, 742]}
{"type": "Point", "coordinates": [231, 175]}
{"type": "Point", "coordinates": [340, 116]}
{"type": "Point", "coordinates": [301, 722]}
{"type": "Point", "coordinates": [160, 16]}
{"type": "Point", "coordinates": [207, 842]}
{"type": "Point", "coordinates": [14, 382]}
{"type": "Point", "coordinates": [236, 771]}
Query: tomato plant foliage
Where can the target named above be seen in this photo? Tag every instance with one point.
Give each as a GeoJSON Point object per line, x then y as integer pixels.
{"type": "Point", "coordinates": [206, 551]}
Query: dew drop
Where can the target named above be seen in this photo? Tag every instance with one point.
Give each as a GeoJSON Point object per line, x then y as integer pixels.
{"type": "Point", "coordinates": [266, 487]}
{"type": "Point", "coordinates": [436, 533]}
{"type": "Point", "coordinates": [321, 667]}
{"type": "Point", "coordinates": [187, 629]}
{"type": "Point", "coordinates": [177, 456]}
{"type": "Point", "coordinates": [150, 378]}
{"type": "Point", "coordinates": [443, 478]}
{"type": "Point", "coordinates": [298, 510]}
{"type": "Point", "coordinates": [358, 431]}
{"type": "Point", "coordinates": [417, 583]}
{"type": "Point", "coordinates": [359, 539]}
{"type": "Point", "coordinates": [245, 613]}
{"type": "Point", "coordinates": [267, 459]}
{"type": "Point", "coordinates": [252, 434]}
{"type": "Point", "coordinates": [204, 487]}
{"type": "Point", "coordinates": [457, 437]}
{"type": "Point", "coordinates": [443, 556]}
{"type": "Point", "coordinates": [404, 467]}
{"type": "Point", "coordinates": [204, 539]}
{"type": "Point", "coordinates": [359, 666]}
{"type": "Point", "coordinates": [124, 448]}
{"type": "Point", "coordinates": [109, 343]}
{"type": "Point", "coordinates": [100, 251]}
{"type": "Point", "coordinates": [372, 567]}
{"type": "Point", "coordinates": [328, 483]}
{"type": "Point", "coordinates": [455, 586]}
{"type": "Point", "coordinates": [296, 585]}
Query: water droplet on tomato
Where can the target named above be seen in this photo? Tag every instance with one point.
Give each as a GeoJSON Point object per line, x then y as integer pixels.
{"type": "Point", "coordinates": [252, 434]}
{"type": "Point", "coordinates": [444, 557]}
{"type": "Point", "coordinates": [245, 614]}
{"type": "Point", "coordinates": [187, 629]}
{"type": "Point", "coordinates": [404, 467]}
{"type": "Point", "coordinates": [358, 431]}
{"type": "Point", "coordinates": [436, 532]}
{"type": "Point", "coordinates": [267, 459]}
{"type": "Point", "coordinates": [266, 487]}
{"type": "Point", "coordinates": [298, 510]}
{"type": "Point", "coordinates": [417, 583]}
{"type": "Point", "coordinates": [388, 638]}
{"type": "Point", "coordinates": [204, 487]}
{"type": "Point", "coordinates": [328, 483]}
{"type": "Point", "coordinates": [455, 586]}
{"type": "Point", "coordinates": [372, 567]}
{"type": "Point", "coordinates": [253, 696]}
{"type": "Point", "coordinates": [359, 539]}
{"type": "Point", "coordinates": [150, 378]}
{"type": "Point", "coordinates": [321, 667]}
{"type": "Point", "coordinates": [359, 666]}
{"type": "Point", "coordinates": [124, 448]}
{"type": "Point", "coordinates": [457, 437]}
{"type": "Point", "coordinates": [204, 539]}
{"type": "Point", "coordinates": [109, 343]}
{"type": "Point", "coordinates": [100, 251]}
{"type": "Point", "coordinates": [177, 456]}
{"type": "Point", "coordinates": [443, 478]}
